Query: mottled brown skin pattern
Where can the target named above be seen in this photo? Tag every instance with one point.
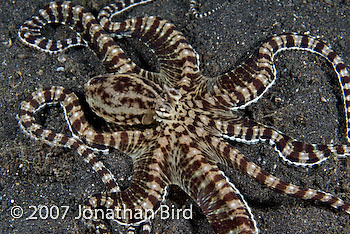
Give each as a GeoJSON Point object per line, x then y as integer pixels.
{"type": "Point", "coordinates": [177, 122]}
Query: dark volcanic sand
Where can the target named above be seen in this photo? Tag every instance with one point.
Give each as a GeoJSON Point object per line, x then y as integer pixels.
{"type": "Point", "coordinates": [304, 103]}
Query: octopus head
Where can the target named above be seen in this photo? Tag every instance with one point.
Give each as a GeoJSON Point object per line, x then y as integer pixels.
{"type": "Point", "coordinates": [128, 99]}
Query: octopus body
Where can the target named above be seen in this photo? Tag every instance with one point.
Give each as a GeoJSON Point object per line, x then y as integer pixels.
{"type": "Point", "coordinates": [175, 124]}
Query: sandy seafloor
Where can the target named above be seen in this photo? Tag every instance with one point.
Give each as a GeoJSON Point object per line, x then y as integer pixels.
{"type": "Point", "coordinates": [305, 103]}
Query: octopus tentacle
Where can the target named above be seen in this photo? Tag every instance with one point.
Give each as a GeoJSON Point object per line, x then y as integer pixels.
{"type": "Point", "coordinates": [30, 32]}
{"type": "Point", "coordinates": [127, 141]}
{"type": "Point", "coordinates": [219, 199]}
{"type": "Point", "coordinates": [82, 22]}
{"type": "Point", "coordinates": [140, 200]}
{"type": "Point", "coordinates": [116, 8]}
{"type": "Point", "coordinates": [179, 64]}
{"type": "Point", "coordinates": [249, 81]}
{"type": "Point", "coordinates": [52, 96]}
{"type": "Point", "coordinates": [197, 14]}
{"type": "Point", "coordinates": [229, 156]}
{"type": "Point", "coordinates": [184, 120]}
{"type": "Point", "coordinates": [290, 150]}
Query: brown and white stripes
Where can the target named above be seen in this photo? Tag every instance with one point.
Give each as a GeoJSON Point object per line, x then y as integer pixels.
{"type": "Point", "coordinates": [178, 61]}
{"type": "Point", "coordinates": [194, 5]}
{"type": "Point", "coordinates": [69, 103]}
{"type": "Point", "coordinates": [233, 158]}
{"type": "Point", "coordinates": [290, 150]}
{"type": "Point", "coordinates": [81, 21]}
{"type": "Point", "coordinates": [219, 199]}
{"type": "Point", "coordinates": [249, 81]}
{"type": "Point", "coordinates": [174, 123]}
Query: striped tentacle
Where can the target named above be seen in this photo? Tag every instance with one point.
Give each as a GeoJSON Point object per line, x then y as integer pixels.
{"type": "Point", "coordinates": [229, 156]}
{"type": "Point", "coordinates": [128, 141]}
{"type": "Point", "coordinates": [248, 82]}
{"type": "Point", "coordinates": [134, 205]}
{"type": "Point", "coordinates": [131, 142]}
{"type": "Point", "coordinates": [219, 200]}
{"type": "Point", "coordinates": [111, 10]}
{"type": "Point", "coordinates": [100, 227]}
{"type": "Point", "coordinates": [52, 96]}
{"type": "Point", "coordinates": [122, 5]}
{"type": "Point", "coordinates": [81, 21]}
{"type": "Point", "coordinates": [146, 228]}
{"type": "Point", "coordinates": [289, 149]}
{"type": "Point", "coordinates": [177, 59]}
{"type": "Point", "coordinates": [194, 9]}
{"type": "Point", "coordinates": [118, 29]}
{"type": "Point", "coordinates": [30, 32]}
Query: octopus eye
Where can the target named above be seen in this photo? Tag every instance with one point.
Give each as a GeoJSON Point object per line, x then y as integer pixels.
{"type": "Point", "coordinates": [148, 118]}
